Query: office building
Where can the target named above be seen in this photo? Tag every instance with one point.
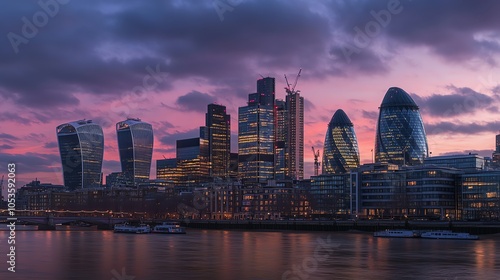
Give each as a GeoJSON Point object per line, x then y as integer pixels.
{"type": "Point", "coordinates": [295, 135]}
{"type": "Point", "coordinates": [400, 136]}
{"type": "Point", "coordinates": [218, 124]}
{"type": "Point", "coordinates": [81, 146]}
{"type": "Point", "coordinates": [193, 159]}
{"type": "Point", "coordinates": [340, 151]}
{"type": "Point", "coordinates": [256, 135]}
{"type": "Point", "coordinates": [135, 144]}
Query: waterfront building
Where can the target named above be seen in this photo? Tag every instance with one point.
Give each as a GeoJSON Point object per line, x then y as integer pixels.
{"type": "Point", "coordinates": [468, 163]}
{"type": "Point", "coordinates": [400, 136]}
{"type": "Point", "coordinates": [81, 146]}
{"type": "Point", "coordinates": [340, 151]}
{"type": "Point", "coordinates": [481, 195]}
{"type": "Point", "coordinates": [218, 124]}
{"type": "Point", "coordinates": [424, 191]}
{"type": "Point", "coordinates": [135, 144]}
{"type": "Point", "coordinates": [329, 195]}
{"type": "Point", "coordinates": [256, 135]}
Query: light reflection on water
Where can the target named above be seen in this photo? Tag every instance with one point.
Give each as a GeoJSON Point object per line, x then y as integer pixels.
{"type": "Point", "coordinates": [213, 254]}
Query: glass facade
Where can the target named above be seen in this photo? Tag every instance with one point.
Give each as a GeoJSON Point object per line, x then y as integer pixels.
{"type": "Point", "coordinates": [81, 146]}
{"type": "Point", "coordinates": [400, 137]}
{"type": "Point", "coordinates": [219, 139]}
{"type": "Point", "coordinates": [256, 143]}
{"type": "Point", "coordinates": [281, 140]}
{"type": "Point", "coordinates": [193, 159]}
{"type": "Point", "coordinates": [256, 134]}
{"type": "Point", "coordinates": [340, 152]}
{"type": "Point", "coordinates": [330, 194]}
{"type": "Point", "coordinates": [135, 144]}
{"type": "Point", "coordinates": [481, 196]}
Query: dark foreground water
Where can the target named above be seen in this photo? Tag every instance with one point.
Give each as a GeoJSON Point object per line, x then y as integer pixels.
{"type": "Point", "coordinates": [212, 254]}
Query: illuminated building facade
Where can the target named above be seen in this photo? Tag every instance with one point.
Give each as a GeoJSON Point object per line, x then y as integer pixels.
{"type": "Point", "coordinates": [218, 123]}
{"type": "Point", "coordinates": [135, 144]}
{"type": "Point", "coordinates": [295, 136]}
{"type": "Point", "coordinates": [481, 195]}
{"type": "Point", "coordinates": [193, 158]}
{"type": "Point", "coordinates": [340, 151]}
{"type": "Point", "coordinates": [400, 137]}
{"type": "Point", "coordinates": [256, 135]}
{"type": "Point", "coordinates": [281, 155]}
{"type": "Point", "coordinates": [81, 146]}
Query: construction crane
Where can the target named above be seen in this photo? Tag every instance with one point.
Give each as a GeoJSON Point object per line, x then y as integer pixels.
{"type": "Point", "coordinates": [316, 161]}
{"type": "Point", "coordinates": [289, 88]}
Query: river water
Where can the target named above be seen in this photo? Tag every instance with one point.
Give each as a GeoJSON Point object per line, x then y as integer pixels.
{"type": "Point", "coordinates": [218, 254]}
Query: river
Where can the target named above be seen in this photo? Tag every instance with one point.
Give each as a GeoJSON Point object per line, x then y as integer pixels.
{"type": "Point", "coordinates": [219, 254]}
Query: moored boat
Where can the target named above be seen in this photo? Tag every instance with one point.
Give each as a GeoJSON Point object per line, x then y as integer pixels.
{"type": "Point", "coordinates": [401, 233]}
{"type": "Point", "coordinates": [169, 228]}
{"type": "Point", "coordinates": [448, 234]}
{"type": "Point", "coordinates": [128, 228]}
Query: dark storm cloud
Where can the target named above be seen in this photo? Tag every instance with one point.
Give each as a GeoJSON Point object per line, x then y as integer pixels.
{"type": "Point", "coordinates": [171, 138]}
{"type": "Point", "coordinates": [459, 102]}
{"type": "Point", "coordinates": [110, 48]}
{"type": "Point", "coordinates": [6, 147]}
{"type": "Point", "coordinates": [372, 115]}
{"type": "Point", "coordinates": [6, 136]}
{"type": "Point", "coordinates": [50, 145]}
{"type": "Point", "coordinates": [461, 128]}
{"type": "Point", "coordinates": [31, 162]}
{"type": "Point", "coordinates": [195, 101]}
{"type": "Point", "coordinates": [308, 105]}
{"type": "Point", "coordinates": [454, 30]}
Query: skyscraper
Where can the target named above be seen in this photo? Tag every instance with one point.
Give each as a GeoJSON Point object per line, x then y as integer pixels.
{"type": "Point", "coordinates": [256, 134]}
{"type": "Point", "coordinates": [281, 129]}
{"type": "Point", "coordinates": [400, 137]}
{"type": "Point", "coordinates": [135, 144]}
{"type": "Point", "coordinates": [81, 146]}
{"type": "Point", "coordinates": [192, 156]}
{"type": "Point", "coordinates": [340, 152]}
{"type": "Point", "coordinates": [295, 135]}
{"type": "Point", "coordinates": [218, 124]}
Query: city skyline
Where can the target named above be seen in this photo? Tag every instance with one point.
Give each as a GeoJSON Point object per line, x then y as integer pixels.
{"type": "Point", "coordinates": [454, 80]}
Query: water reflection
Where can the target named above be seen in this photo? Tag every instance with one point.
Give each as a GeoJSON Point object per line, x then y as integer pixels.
{"type": "Point", "coordinates": [211, 254]}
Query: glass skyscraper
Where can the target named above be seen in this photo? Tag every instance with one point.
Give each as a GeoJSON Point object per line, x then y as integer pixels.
{"type": "Point", "coordinates": [81, 146]}
{"type": "Point", "coordinates": [256, 134]}
{"type": "Point", "coordinates": [400, 137]}
{"type": "Point", "coordinates": [340, 151]}
{"type": "Point", "coordinates": [218, 124]}
{"type": "Point", "coordinates": [135, 144]}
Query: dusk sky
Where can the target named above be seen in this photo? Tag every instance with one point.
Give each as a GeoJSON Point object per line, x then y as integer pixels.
{"type": "Point", "coordinates": [94, 59]}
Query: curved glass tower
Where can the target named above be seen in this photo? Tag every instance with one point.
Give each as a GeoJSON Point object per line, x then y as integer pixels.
{"type": "Point", "coordinates": [340, 152]}
{"type": "Point", "coordinates": [81, 145]}
{"type": "Point", "coordinates": [135, 143]}
{"type": "Point", "coordinates": [400, 137]}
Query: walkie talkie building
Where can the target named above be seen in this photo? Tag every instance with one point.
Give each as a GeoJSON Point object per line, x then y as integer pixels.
{"type": "Point", "coordinates": [135, 143]}
{"type": "Point", "coordinates": [400, 137]}
{"type": "Point", "coordinates": [81, 146]}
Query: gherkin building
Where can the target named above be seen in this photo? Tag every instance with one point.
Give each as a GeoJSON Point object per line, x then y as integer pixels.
{"type": "Point", "coordinates": [340, 151]}
{"type": "Point", "coordinates": [400, 137]}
